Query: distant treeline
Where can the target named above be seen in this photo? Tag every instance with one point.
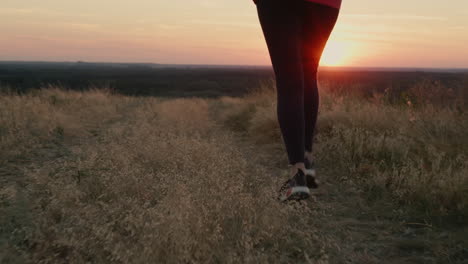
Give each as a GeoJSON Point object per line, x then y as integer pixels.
{"type": "Point", "coordinates": [202, 81]}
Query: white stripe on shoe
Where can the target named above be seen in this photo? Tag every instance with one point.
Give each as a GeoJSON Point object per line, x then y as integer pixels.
{"type": "Point", "coordinates": [310, 172]}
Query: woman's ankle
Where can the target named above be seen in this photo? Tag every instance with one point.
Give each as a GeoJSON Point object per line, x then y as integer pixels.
{"type": "Point", "coordinates": [297, 166]}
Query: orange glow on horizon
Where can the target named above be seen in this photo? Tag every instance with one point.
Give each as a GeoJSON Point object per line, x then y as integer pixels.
{"type": "Point", "coordinates": [336, 54]}
{"type": "Point", "coordinates": [368, 33]}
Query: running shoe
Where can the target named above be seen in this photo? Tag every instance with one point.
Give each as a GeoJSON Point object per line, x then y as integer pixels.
{"type": "Point", "coordinates": [295, 188]}
{"type": "Point", "coordinates": [312, 182]}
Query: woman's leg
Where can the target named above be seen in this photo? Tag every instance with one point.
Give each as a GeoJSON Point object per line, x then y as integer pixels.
{"type": "Point", "coordinates": [281, 27]}
{"type": "Point", "coordinates": [317, 24]}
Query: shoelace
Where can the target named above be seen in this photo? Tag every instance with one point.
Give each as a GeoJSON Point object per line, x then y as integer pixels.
{"type": "Point", "coordinates": [286, 185]}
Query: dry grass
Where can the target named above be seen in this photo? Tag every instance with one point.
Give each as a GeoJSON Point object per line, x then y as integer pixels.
{"type": "Point", "coordinates": [98, 177]}
{"type": "Point", "coordinates": [417, 154]}
{"type": "Point", "coordinates": [161, 182]}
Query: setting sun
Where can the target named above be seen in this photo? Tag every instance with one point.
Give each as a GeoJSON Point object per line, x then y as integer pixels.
{"type": "Point", "coordinates": [335, 54]}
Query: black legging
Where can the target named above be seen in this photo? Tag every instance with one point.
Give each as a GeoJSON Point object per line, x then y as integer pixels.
{"type": "Point", "coordinates": [296, 32]}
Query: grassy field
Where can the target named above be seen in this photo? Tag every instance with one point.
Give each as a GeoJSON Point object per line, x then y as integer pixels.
{"type": "Point", "coordinates": [105, 178]}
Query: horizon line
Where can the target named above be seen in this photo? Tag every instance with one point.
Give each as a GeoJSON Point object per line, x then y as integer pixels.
{"type": "Point", "coordinates": [230, 65]}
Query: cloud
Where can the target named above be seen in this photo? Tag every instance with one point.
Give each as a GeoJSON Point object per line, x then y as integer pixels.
{"type": "Point", "coordinates": [458, 28]}
{"type": "Point", "coordinates": [16, 11]}
{"type": "Point", "coordinates": [209, 4]}
{"type": "Point", "coordinates": [83, 26]}
{"type": "Point", "coordinates": [226, 24]}
{"type": "Point", "coordinates": [36, 11]}
{"type": "Point", "coordinates": [396, 17]}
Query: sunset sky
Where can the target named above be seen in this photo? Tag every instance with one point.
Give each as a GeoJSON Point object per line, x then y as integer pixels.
{"type": "Point", "coordinates": [397, 33]}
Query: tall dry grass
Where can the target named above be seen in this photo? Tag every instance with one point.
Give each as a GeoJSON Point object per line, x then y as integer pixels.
{"type": "Point", "coordinates": [98, 177]}
{"type": "Point", "coordinates": [416, 153]}
{"type": "Point", "coordinates": [156, 181]}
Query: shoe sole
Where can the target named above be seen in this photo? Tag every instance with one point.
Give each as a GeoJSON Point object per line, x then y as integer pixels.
{"type": "Point", "coordinates": [296, 194]}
